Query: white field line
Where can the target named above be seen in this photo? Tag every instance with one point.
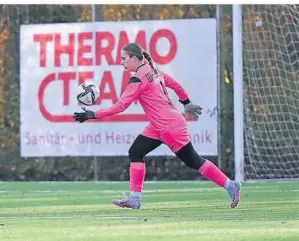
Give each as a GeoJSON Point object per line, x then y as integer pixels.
{"type": "Point", "coordinates": [187, 190]}
{"type": "Point", "coordinates": [148, 218]}
{"type": "Point", "coordinates": [204, 182]}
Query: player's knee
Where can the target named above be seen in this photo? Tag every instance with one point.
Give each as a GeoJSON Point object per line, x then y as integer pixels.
{"type": "Point", "coordinates": [190, 157]}
{"type": "Point", "coordinates": [135, 155]}
{"type": "Point", "coordinates": [190, 164]}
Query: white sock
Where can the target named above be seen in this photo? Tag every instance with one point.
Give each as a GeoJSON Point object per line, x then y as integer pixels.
{"type": "Point", "coordinates": [136, 194]}
{"type": "Point", "coordinates": [227, 184]}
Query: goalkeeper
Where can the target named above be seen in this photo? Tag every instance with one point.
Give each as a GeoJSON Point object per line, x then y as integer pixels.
{"type": "Point", "coordinates": [166, 125]}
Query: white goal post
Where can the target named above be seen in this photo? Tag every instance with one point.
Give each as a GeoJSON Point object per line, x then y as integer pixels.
{"type": "Point", "coordinates": [266, 91]}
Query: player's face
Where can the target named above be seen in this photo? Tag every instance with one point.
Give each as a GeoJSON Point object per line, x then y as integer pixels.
{"type": "Point", "coordinates": [128, 62]}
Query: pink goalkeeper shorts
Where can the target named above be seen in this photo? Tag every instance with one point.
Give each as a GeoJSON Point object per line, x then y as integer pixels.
{"type": "Point", "coordinates": [175, 138]}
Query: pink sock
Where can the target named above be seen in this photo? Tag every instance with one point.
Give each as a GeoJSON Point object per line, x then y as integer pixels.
{"type": "Point", "coordinates": [137, 174]}
{"type": "Point", "coordinates": [213, 173]}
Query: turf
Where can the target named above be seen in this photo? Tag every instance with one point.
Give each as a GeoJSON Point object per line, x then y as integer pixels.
{"type": "Point", "coordinates": [71, 211]}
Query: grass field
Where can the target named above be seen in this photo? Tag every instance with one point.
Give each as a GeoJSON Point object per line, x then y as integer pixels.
{"type": "Point", "coordinates": [79, 211]}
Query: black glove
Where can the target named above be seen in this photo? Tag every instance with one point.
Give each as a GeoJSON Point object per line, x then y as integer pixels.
{"type": "Point", "coordinates": [83, 116]}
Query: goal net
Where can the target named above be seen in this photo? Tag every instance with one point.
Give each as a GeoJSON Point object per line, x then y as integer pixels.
{"type": "Point", "coordinates": [271, 91]}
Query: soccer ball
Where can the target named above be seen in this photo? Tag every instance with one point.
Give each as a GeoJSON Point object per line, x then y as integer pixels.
{"type": "Point", "coordinates": [87, 93]}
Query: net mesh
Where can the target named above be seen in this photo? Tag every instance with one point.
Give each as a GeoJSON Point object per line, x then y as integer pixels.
{"type": "Point", "coordinates": [271, 81]}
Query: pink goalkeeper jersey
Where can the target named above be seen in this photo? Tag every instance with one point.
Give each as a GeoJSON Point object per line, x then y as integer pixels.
{"type": "Point", "coordinates": [149, 89]}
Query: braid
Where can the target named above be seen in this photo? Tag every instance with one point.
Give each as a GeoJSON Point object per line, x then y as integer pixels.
{"type": "Point", "coordinates": [150, 61]}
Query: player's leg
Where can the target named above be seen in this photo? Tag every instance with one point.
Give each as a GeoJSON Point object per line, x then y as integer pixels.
{"type": "Point", "coordinates": [179, 142]}
{"type": "Point", "coordinates": [143, 144]}
{"type": "Point", "coordinates": [140, 148]}
{"type": "Point", "coordinates": [210, 171]}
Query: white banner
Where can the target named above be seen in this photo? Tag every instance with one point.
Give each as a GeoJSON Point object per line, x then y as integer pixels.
{"type": "Point", "coordinates": [55, 58]}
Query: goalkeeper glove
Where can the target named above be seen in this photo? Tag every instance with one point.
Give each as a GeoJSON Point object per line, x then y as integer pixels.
{"type": "Point", "coordinates": [83, 116]}
{"type": "Point", "coordinates": [190, 109]}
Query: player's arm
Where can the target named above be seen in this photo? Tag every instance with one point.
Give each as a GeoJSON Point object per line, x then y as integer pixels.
{"type": "Point", "coordinates": [177, 88]}
{"type": "Point", "coordinates": [189, 107]}
{"type": "Point", "coordinates": [131, 93]}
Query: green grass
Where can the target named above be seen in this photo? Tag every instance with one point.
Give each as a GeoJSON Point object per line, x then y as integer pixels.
{"type": "Point", "coordinates": [79, 211]}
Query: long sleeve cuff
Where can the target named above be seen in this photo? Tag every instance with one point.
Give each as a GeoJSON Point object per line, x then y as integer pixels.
{"type": "Point", "coordinates": [185, 102]}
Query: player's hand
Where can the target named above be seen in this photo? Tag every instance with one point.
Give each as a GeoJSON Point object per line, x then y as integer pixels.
{"type": "Point", "coordinates": [192, 110]}
{"type": "Point", "coordinates": [83, 116]}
